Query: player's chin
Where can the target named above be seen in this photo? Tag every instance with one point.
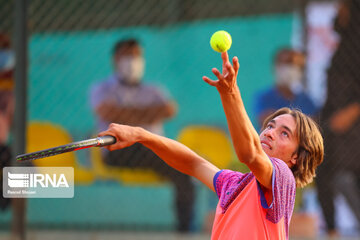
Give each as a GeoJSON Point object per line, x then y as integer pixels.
{"type": "Point", "coordinates": [267, 150]}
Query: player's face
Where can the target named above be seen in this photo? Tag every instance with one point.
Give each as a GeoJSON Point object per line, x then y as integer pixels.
{"type": "Point", "coordinates": [279, 139]}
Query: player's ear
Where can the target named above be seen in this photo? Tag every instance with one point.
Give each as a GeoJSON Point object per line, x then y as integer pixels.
{"type": "Point", "coordinates": [293, 159]}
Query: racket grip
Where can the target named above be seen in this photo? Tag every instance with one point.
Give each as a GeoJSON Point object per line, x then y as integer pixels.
{"type": "Point", "coordinates": [106, 140]}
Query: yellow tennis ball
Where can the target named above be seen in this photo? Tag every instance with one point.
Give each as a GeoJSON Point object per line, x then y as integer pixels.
{"type": "Point", "coordinates": [220, 41]}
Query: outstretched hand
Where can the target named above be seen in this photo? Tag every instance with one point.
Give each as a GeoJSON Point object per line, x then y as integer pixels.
{"type": "Point", "coordinates": [125, 135]}
{"type": "Point", "coordinates": [226, 82]}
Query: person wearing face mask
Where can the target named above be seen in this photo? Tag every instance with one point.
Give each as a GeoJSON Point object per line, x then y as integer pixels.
{"type": "Point", "coordinates": [288, 90]}
{"type": "Point", "coordinates": [124, 99]}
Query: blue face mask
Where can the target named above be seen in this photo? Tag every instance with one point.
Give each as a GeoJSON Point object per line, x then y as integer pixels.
{"type": "Point", "coordinates": [7, 60]}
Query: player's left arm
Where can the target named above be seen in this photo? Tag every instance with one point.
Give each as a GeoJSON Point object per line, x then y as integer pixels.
{"type": "Point", "coordinates": [245, 139]}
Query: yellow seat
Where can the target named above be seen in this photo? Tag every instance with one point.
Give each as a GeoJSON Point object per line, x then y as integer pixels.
{"type": "Point", "coordinates": [209, 142]}
{"type": "Point", "coordinates": [127, 176]}
{"type": "Point", "coordinates": [42, 135]}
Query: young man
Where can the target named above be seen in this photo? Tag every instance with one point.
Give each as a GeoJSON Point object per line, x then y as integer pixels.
{"type": "Point", "coordinates": [255, 205]}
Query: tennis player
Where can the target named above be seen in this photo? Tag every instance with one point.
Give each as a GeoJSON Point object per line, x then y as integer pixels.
{"type": "Point", "coordinates": [254, 205]}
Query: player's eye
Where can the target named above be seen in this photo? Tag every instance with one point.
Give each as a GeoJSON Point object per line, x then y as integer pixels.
{"type": "Point", "coordinates": [284, 133]}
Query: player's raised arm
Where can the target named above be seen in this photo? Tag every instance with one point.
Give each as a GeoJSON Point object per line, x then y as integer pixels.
{"type": "Point", "coordinates": [175, 154]}
{"type": "Point", "coordinates": [244, 136]}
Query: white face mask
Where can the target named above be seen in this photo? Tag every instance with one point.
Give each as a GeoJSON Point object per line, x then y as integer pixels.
{"type": "Point", "coordinates": [289, 75]}
{"type": "Point", "coordinates": [131, 68]}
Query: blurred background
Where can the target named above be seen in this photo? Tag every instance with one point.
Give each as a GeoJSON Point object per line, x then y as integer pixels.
{"type": "Point", "coordinates": [55, 55]}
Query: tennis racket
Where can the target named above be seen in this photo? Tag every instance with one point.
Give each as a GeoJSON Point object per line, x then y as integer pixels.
{"type": "Point", "coordinates": [94, 142]}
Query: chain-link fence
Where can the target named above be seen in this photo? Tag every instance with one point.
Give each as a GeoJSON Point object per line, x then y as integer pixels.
{"type": "Point", "coordinates": [140, 63]}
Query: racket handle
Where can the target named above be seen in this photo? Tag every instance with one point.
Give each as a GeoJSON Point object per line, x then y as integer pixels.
{"type": "Point", "coordinates": [106, 140]}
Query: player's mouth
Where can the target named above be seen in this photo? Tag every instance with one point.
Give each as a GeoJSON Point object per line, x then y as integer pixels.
{"type": "Point", "coordinates": [265, 144]}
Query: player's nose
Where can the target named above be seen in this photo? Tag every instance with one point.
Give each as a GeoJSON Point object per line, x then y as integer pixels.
{"type": "Point", "coordinates": [270, 133]}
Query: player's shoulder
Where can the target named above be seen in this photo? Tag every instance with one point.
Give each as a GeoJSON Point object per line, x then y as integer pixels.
{"type": "Point", "coordinates": [279, 163]}
{"type": "Point", "coordinates": [230, 179]}
{"type": "Point", "coordinates": [282, 169]}
{"type": "Point", "coordinates": [226, 175]}
{"type": "Point", "coordinates": [229, 172]}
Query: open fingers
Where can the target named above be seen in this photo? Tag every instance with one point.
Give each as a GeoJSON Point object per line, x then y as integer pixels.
{"type": "Point", "coordinates": [210, 82]}
{"type": "Point", "coordinates": [217, 74]}
{"type": "Point", "coordinates": [236, 64]}
{"type": "Point", "coordinates": [224, 57]}
{"type": "Point", "coordinates": [230, 70]}
{"type": "Point", "coordinates": [213, 82]}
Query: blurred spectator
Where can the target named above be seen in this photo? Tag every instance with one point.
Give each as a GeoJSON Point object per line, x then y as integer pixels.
{"type": "Point", "coordinates": [288, 89]}
{"type": "Point", "coordinates": [340, 119]}
{"type": "Point", "coordinates": [123, 98]}
{"type": "Point", "coordinates": [7, 63]}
